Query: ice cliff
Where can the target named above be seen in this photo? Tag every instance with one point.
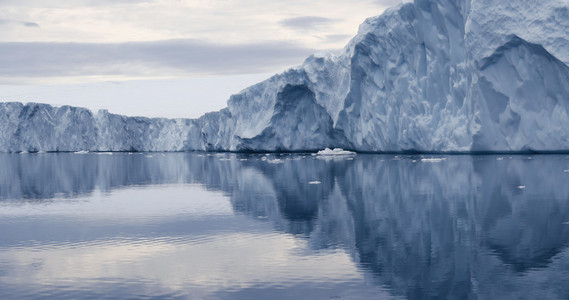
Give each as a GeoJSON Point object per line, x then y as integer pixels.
{"type": "Point", "coordinates": [432, 75]}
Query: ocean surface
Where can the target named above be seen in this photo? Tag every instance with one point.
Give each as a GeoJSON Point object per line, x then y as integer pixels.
{"type": "Point", "coordinates": [283, 226]}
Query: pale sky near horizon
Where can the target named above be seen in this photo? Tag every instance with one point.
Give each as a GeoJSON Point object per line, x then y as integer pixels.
{"type": "Point", "coordinates": [123, 55]}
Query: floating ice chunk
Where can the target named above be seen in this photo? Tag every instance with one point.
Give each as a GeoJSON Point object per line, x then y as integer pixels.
{"type": "Point", "coordinates": [81, 152]}
{"type": "Point", "coordinates": [336, 151]}
{"type": "Point", "coordinates": [566, 171]}
{"type": "Point", "coordinates": [433, 159]}
{"type": "Point", "coordinates": [499, 158]}
{"type": "Point", "coordinates": [315, 182]}
{"type": "Point", "coordinates": [522, 187]}
{"type": "Point", "coordinates": [566, 223]}
{"type": "Point", "coordinates": [275, 161]}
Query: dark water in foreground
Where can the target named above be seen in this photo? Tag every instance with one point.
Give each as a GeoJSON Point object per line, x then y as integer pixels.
{"type": "Point", "coordinates": [226, 226]}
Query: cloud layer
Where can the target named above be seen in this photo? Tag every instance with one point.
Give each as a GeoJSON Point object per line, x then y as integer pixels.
{"type": "Point", "coordinates": [41, 40]}
{"type": "Point", "coordinates": [140, 59]}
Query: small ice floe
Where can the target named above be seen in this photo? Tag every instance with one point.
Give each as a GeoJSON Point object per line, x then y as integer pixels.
{"type": "Point", "coordinates": [315, 182]}
{"type": "Point", "coordinates": [81, 152]}
{"type": "Point", "coordinates": [336, 151]}
{"type": "Point", "coordinates": [275, 161]}
{"type": "Point", "coordinates": [522, 187]}
{"type": "Point", "coordinates": [566, 223]}
{"type": "Point", "coordinates": [499, 158]}
{"type": "Point", "coordinates": [243, 159]}
{"type": "Point", "coordinates": [105, 153]}
{"type": "Point", "coordinates": [433, 159]}
{"type": "Point", "coordinates": [24, 152]}
{"type": "Point", "coordinates": [41, 152]}
{"type": "Point", "coordinates": [149, 156]}
{"type": "Point", "coordinates": [225, 159]}
{"type": "Point", "coordinates": [566, 171]}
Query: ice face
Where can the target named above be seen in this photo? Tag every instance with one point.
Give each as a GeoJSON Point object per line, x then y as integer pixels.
{"type": "Point", "coordinates": [432, 75]}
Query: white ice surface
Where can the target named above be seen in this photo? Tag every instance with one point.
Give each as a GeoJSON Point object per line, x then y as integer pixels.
{"type": "Point", "coordinates": [432, 75]}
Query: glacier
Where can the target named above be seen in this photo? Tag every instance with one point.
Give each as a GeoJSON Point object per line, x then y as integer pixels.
{"type": "Point", "coordinates": [427, 76]}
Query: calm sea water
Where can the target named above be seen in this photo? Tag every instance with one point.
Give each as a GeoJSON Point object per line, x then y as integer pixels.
{"type": "Point", "coordinates": [230, 226]}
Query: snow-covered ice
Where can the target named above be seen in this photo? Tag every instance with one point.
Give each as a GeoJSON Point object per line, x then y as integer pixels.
{"type": "Point", "coordinates": [433, 159]}
{"type": "Point", "coordinates": [335, 151]}
{"type": "Point", "coordinates": [431, 75]}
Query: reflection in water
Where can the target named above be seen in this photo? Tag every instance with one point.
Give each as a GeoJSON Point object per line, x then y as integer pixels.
{"type": "Point", "coordinates": [456, 227]}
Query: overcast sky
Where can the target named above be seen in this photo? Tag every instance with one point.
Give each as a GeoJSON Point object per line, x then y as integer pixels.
{"type": "Point", "coordinates": [63, 42]}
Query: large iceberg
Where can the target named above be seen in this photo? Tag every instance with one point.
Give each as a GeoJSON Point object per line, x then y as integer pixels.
{"type": "Point", "coordinates": [430, 76]}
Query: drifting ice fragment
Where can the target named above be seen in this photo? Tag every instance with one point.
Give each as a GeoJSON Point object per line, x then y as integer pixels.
{"type": "Point", "coordinates": [275, 161]}
{"type": "Point", "coordinates": [433, 160]}
{"type": "Point", "coordinates": [336, 151]}
{"type": "Point", "coordinates": [315, 182]}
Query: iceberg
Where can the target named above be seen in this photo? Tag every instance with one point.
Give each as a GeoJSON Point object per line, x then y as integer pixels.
{"type": "Point", "coordinates": [430, 76]}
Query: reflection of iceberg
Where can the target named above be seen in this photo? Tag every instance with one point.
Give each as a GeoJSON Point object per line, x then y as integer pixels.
{"type": "Point", "coordinates": [458, 229]}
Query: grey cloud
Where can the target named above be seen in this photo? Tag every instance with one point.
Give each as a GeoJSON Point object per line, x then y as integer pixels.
{"type": "Point", "coordinates": [335, 38]}
{"type": "Point", "coordinates": [67, 3]}
{"type": "Point", "coordinates": [388, 3]}
{"type": "Point", "coordinates": [31, 24]}
{"type": "Point", "coordinates": [307, 22]}
{"type": "Point", "coordinates": [158, 58]}
{"type": "Point", "coordinates": [20, 23]}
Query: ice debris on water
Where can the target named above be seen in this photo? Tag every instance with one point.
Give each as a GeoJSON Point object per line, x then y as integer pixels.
{"type": "Point", "coordinates": [335, 151]}
{"type": "Point", "coordinates": [433, 159]}
{"type": "Point", "coordinates": [315, 182]}
{"type": "Point", "coordinates": [275, 161]}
